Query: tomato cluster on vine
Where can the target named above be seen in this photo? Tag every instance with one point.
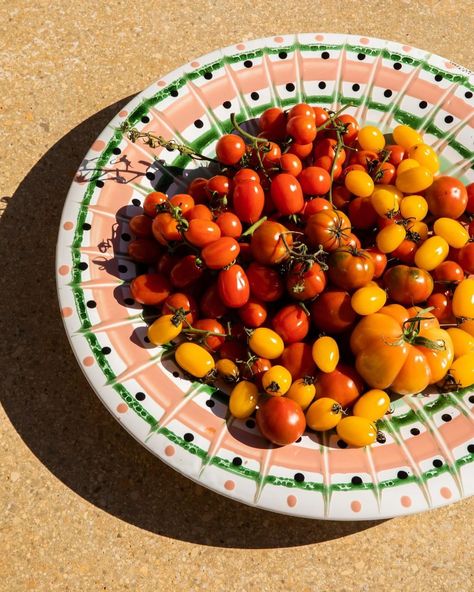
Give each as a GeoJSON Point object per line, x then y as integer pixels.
{"type": "Point", "coordinates": [323, 267]}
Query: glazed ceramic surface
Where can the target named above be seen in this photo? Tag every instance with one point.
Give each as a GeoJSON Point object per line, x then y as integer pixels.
{"type": "Point", "coordinates": [427, 459]}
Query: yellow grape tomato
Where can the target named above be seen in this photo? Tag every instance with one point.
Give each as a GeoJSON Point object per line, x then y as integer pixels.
{"type": "Point", "coordinates": [425, 155]}
{"type": "Point", "coordinates": [414, 207]}
{"type": "Point", "coordinates": [414, 180]}
{"type": "Point", "coordinates": [390, 237]}
{"type": "Point", "coordinates": [194, 359]}
{"type": "Point", "coordinates": [368, 300]}
{"type": "Point", "coordinates": [406, 165]}
{"type": "Point", "coordinates": [276, 381]}
{"type": "Point", "coordinates": [463, 342]}
{"type": "Point", "coordinates": [463, 299]}
{"type": "Point", "coordinates": [243, 399]}
{"type": "Point", "coordinates": [302, 391]}
{"type": "Point", "coordinates": [452, 231]}
{"type": "Point", "coordinates": [462, 370]}
{"type": "Point", "coordinates": [384, 202]}
{"type": "Point", "coordinates": [324, 414]}
{"type": "Point", "coordinates": [266, 343]}
{"type": "Point", "coordinates": [164, 329]}
{"type": "Point", "coordinates": [356, 431]}
{"type": "Point", "coordinates": [371, 138]}
{"type": "Point", "coordinates": [373, 405]}
{"type": "Point", "coordinates": [326, 353]}
{"type": "Point", "coordinates": [431, 253]}
{"type": "Point", "coordinates": [406, 136]}
{"type": "Point", "coordinates": [359, 183]}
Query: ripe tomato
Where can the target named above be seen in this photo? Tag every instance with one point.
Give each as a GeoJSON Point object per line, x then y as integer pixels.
{"type": "Point", "coordinates": [414, 180]}
{"type": "Point", "coordinates": [229, 149]}
{"type": "Point", "coordinates": [350, 269]}
{"type": "Point", "coordinates": [373, 405]}
{"type": "Point", "coordinates": [405, 252]}
{"type": "Point", "coordinates": [229, 224]}
{"type": "Point", "coordinates": [462, 371]}
{"type": "Point", "coordinates": [343, 384]}
{"type": "Point", "coordinates": [446, 197]}
{"type": "Point", "coordinates": [463, 342]}
{"type": "Point", "coordinates": [302, 110]}
{"type": "Point", "coordinates": [357, 431]}
{"type": "Point", "coordinates": [442, 307]}
{"type": "Point", "coordinates": [298, 359]}
{"type": "Point", "coordinates": [352, 128]}
{"type": "Point", "coordinates": [165, 329]}
{"type": "Point", "coordinates": [368, 299]}
{"type": "Point", "coordinates": [253, 313]}
{"type": "Point", "coordinates": [165, 228]}
{"type": "Point", "coordinates": [276, 381]}
{"type": "Point", "coordinates": [141, 226]}
{"type": "Point", "coordinates": [302, 129]}
{"type": "Point", "coordinates": [463, 299]}
{"type": "Point", "coordinates": [379, 259]}
{"type": "Point", "coordinates": [246, 175]}
{"type": "Point", "coordinates": [267, 245]}
{"type": "Point", "coordinates": [291, 164]}
{"type": "Point", "coordinates": [281, 420]}
{"type": "Point", "coordinates": [291, 323]}
{"type": "Point", "coordinates": [150, 288]}
{"type": "Point", "coordinates": [320, 116]}
{"type": "Point", "coordinates": [431, 253]}
{"type": "Point", "coordinates": [406, 137]}
{"type": "Point", "coordinates": [286, 194]}
{"type": "Point", "coordinates": [325, 353]}
{"type": "Point", "coordinates": [221, 252]}
{"type": "Point", "coordinates": [197, 189]}
{"type": "Point", "coordinates": [152, 201]}
{"type": "Point", "coordinates": [265, 282]}
{"type": "Point", "coordinates": [211, 304]}
{"type": "Point", "coordinates": [313, 206]}
{"type": "Point", "coordinates": [186, 272]}
{"type": "Point", "coordinates": [362, 213]}
{"type": "Point", "coordinates": [408, 285]}
{"type": "Point", "coordinates": [327, 147]}
{"type": "Point", "coordinates": [384, 173]}
{"type": "Point", "coordinates": [324, 414]}
{"type": "Point", "coordinates": [414, 206]}
{"type": "Point", "coordinates": [248, 201]}
{"type": "Point", "coordinates": [448, 271]}
{"type": "Point", "coordinates": [329, 228]}
{"type": "Point", "coordinates": [228, 370]}
{"type": "Point", "coordinates": [359, 183]}
{"type": "Point", "coordinates": [143, 250]}
{"type": "Point", "coordinates": [470, 198]}
{"type": "Point", "coordinates": [363, 157]}
{"type": "Point", "coordinates": [181, 300]}
{"type": "Point", "coordinates": [332, 312]}
{"type": "Point", "coordinates": [183, 201]}
{"type": "Point", "coordinates": [425, 155]}
{"type": "Point", "coordinates": [340, 197]}
{"type": "Point", "coordinates": [396, 154]}
{"type": "Point", "coordinates": [233, 286]}
{"type": "Point", "coordinates": [301, 150]}
{"type": "Point", "coordinates": [201, 232]}
{"type": "Point", "coordinates": [315, 181]}
{"type": "Point", "coordinates": [302, 391]}
{"type": "Point", "coordinates": [272, 123]}
{"type": "Point", "coordinates": [243, 399]}
{"type": "Point", "coordinates": [371, 138]}
{"type": "Point", "coordinates": [466, 258]}
{"type": "Point", "coordinates": [390, 237]}
{"type": "Point", "coordinates": [194, 359]}
{"type": "Point", "coordinates": [211, 342]}
{"type": "Point", "coordinates": [326, 163]}
{"type": "Point", "coordinates": [166, 263]}
{"type": "Point", "coordinates": [199, 211]}
{"type": "Point", "coordinates": [305, 285]}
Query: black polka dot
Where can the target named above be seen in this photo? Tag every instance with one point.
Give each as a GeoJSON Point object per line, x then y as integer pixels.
{"type": "Point", "coordinates": [237, 461]}
{"type": "Point", "coordinates": [414, 431]}
{"type": "Point", "coordinates": [136, 202]}
{"type": "Point", "coordinates": [356, 87]}
{"type": "Point", "coordinates": [145, 119]}
{"type": "Point", "coordinates": [129, 301]}
{"type": "Point", "coordinates": [449, 119]}
{"type": "Point", "coordinates": [254, 96]}
{"type": "Point", "coordinates": [146, 340]}
{"type": "Point", "coordinates": [82, 266]}
{"type": "Point", "coordinates": [423, 104]}
{"type": "Point", "coordinates": [470, 448]}
{"type": "Point", "coordinates": [106, 350]}
{"type": "Point", "coordinates": [437, 463]}
{"type": "Point", "coordinates": [322, 85]}
{"type": "Point", "coordinates": [397, 66]}
{"type": "Point", "coordinates": [250, 423]}
{"type": "Point", "coordinates": [86, 226]}
{"type": "Point", "coordinates": [471, 399]}
{"type": "Point", "coordinates": [341, 444]}
{"type": "Point", "coordinates": [361, 56]}
{"type": "Point", "coordinates": [125, 236]}
{"type": "Point", "coordinates": [210, 403]}
{"type": "Point", "coordinates": [325, 55]}
{"type": "Point", "coordinates": [198, 123]}
{"type": "Point", "coordinates": [446, 417]}
{"type": "Point", "coordinates": [150, 176]}
{"type": "Point", "coordinates": [122, 268]}
{"type": "Point", "coordinates": [176, 374]}
{"type": "Point", "coordinates": [356, 480]}
{"type": "Point", "coordinates": [290, 87]}
{"type": "Point", "coordinates": [299, 440]}
{"type": "Point", "coordinates": [402, 475]}
{"type": "Point", "coordinates": [99, 183]}
{"type": "Point", "coordinates": [468, 94]}
{"type": "Point", "coordinates": [174, 92]}
{"type": "Point", "coordinates": [248, 64]}
{"type": "Point", "coordinates": [387, 93]}
{"type": "Point", "coordinates": [140, 396]}
{"type": "Point", "coordinates": [188, 437]}
{"type": "Point", "coordinates": [282, 55]}
{"type": "Point", "coordinates": [299, 477]}
{"type": "Point", "coordinates": [381, 438]}
{"type": "Point", "coordinates": [116, 150]}
{"type": "Point", "coordinates": [438, 78]}
{"type": "Point", "coordinates": [208, 75]}
{"type": "Point", "coordinates": [227, 104]}
{"type": "Point", "coordinates": [91, 304]}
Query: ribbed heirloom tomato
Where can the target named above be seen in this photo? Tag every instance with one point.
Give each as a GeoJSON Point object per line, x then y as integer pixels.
{"type": "Point", "coordinates": [269, 243]}
{"type": "Point", "coordinates": [332, 312]}
{"type": "Point", "coordinates": [408, 285]}
{"type": "Point", "coordinates": [350, 268]}
{"type": "Point", "coordinates": [330, 228]}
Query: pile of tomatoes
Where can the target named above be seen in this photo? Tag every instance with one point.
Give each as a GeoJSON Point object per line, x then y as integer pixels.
{"type": "Point", "coordinates": [324, 267]}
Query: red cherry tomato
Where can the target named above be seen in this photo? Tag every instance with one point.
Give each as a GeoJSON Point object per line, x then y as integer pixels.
{"type": "Point", "coordinates": [281, 420]}
{"type": "Point", "coordinates": [199, 211]}
{"type": "Point", "coordinates": [327, 147]}
{"type": "Point", "coordinates": [219, 186]}
{"type": "Point", "coordinates": [384, 174]}
{"type": "Point", "coordinates": [141, 226]}
{"type": "Point", "coordinates": [265, 282]}
{"type": "Point", "coordinates": [272, 123]}
{"type": "Point", "coordinates": [166, 263]}
{"type": "Point", "coordinates": [315, 181]}
{"type": "Point", "coordinates": [234, 350]}
{"type": "Point", "coordinates": [341, 197]}
{"type": "Point", "coordinates": [286, 193]}
{"type": "Point", "coordinates": [183, 201]}
{"type": "Point", "coordinates": [442, 306]}
{"type": "Point", "coordinates": [446, 197]}
{"type": "Point", "coordinates": [313, 206]}
{"type": "Point", "coordinates": [397, 153]}
{"type": "Point", "coordinates": [211, 304]}
{"type": "Point", "coordinates": [291, 164]}
{"type": "Point", "coordinates": [150, 288]}
{"type": "Point", "coordinates": [253, 313]}
{"type": "Point", "coordinates": [152, 201]}
{"type": "Point", "coordinates": [211, 342]}
{"type": "Point", "coordinates": [470, 199]}
{"type": "Point", "coordinates": [220, 253]}
{"type": "Point", "coordinates": [291, 323]}
{"type": "Point", "coordinates": [144, 250]}
{"type": "Point", "coordinates": [229, 224]}
{"type": "Point", "coordinates": [352, 128]}
{"type": "Point", "coordinates": [202, 232]}
{"type": "Point", "coordinates": [379, 259]}
{"type": "Point", "coordinates": [233, 286]}
{"type": "Point", "coordinates": [267, 244]}
{"type": "Point", "coordinates": [448, 271]}
{"type": "Point", "coordinates": [332, 312]}
{"type": "Point", "coordinates": [297, 358]}
{"type": "Point", "coordinates": [248, 201]}
{"type": "Point", "coordinates": [301, 150]}
{"type": "Point", "coordinates": [466, 258]}
{"type": "Point", "coordinates": [229, 149]}
{"type": "Point", "coordinates": [405, 252]}
{"type": "Point", "coordinates": [320, 116]}
{"type": "Point", "coordinates": [329, 228]}
{"type": "Point", "coordinates": [305, 284]}
{"type": "Point", "coordinates": [246, 175]}
{"type": "Point", "coordinates": [197, 189]}
{"type": "Point", "coordinates": [302, 129]}
{"type": "Point", "coordinates": [344, 385]}
{"type": "Point", "coordinates": [363, 157]}
{"type": "Point", "coordinates": [165, 228]}
{"type": "Point", "coordinates": [302, 110]}
{"type": "Point", "coordinates": [184, 301]}
{"type": "Point", "coordinates": [361, 213]}
{"type": "Point", "coordinates": [186, 272]}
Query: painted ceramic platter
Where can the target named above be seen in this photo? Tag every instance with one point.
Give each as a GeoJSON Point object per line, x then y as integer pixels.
{"type": "Point", "coordinates": [427, 459]}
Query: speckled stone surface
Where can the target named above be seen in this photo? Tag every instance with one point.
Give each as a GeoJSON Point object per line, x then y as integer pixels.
{"type": "Point", "coordinates": [83, 506]}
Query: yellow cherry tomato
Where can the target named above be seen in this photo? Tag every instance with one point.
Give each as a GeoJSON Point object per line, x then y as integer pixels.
{"type": "Point", "coordinates": [406, 136]}
{"type": "Point", "coordinates": [384, 202]}
{"type": "Point", "coordinates": [266, 343]}
{"type": "Point", "coordinates": [463, 342]}
{"type": "Point", "coordinates": [414, 207]}
{"type": "Point", "coordinates": [194, 359]}
{"type": "Point", "coordinates": [425, 155]}
{"type": "Point", "coordinates": [462, 370]}
{"type": "Point", "coordinates": [468, 326]}
{"type": "Point", "coordinates": [356, 431]}
{"type": "Point", "coordinates": [164, 329]}
{"type": "Point", "coordinates": [324, 414]}
{"type": "Point", "coordinates": [452, 231]}
{"type": "Point", "coordinates": [371, 138]}
{"type": "Point", "coordinates": [431, 253]}
{"type": "Point", "coordinates": [243, 399]}
{"type": "Point", "coordinates": [302, 391]}
{"type": "Point", "coordinates": [392, 189]}
{"type": "Point", "coordinates": [407, 164]}
{"type": "Point", "coordinates": [368, 299]}
{"type": "Point", "coordinates": [463, 299]}
{"type": "Point", "coordinates": [414, 180]}
{"type": "Point", "coordinates": [276, 381]}
{"type": "Point", "coordinates": [418, 227]}
{"type": "Point", "coordinates": [359, 183]}
{"type": "Point", "coordinates": [227, 369]}
{"type": "Point", "coordinates": [373, 405]}
{"type": "Point", "coordinates": [326, 353]}
{"type": "Point", "coordinates": [390, 237]}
